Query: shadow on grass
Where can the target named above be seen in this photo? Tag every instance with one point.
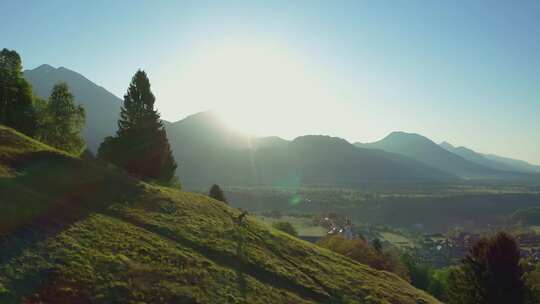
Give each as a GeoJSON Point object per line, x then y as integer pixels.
{"type": "Point", "coordinates": [241, 276]}
{"type": "Point", "coordinates": [50, 192]}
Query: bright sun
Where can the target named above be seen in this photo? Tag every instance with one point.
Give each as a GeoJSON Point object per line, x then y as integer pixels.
{"type": "Point", "coordinates": [258, 88]}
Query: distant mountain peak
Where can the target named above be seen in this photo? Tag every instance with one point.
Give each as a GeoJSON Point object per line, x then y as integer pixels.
{"type": "Point", "coordinates": [64, 70]}
{"type": "Point", "coordinates": [209, 114]}
{"type": "Point", "coordinates": [209, 129]}
{"type": "Point", "coordinates": [60, 72]}
{"type": "Point", "coordinates": [101, 106]}
{"type": "Point", "coordinates": [397, 133]}
{"type": "Point", "coordinates": [208, 119]}
{"type": "Point", "coordinates": [405, 137]}
{"type": "Point", "coordinates": [425, 150]}
{"type": "Point", "coordinates": [446, 145]}
{"type": "Point", "coordinates": [320, 139]}
{"type": "Point", "coordinates": [404, 134]}
{"type": "Point", "coordinates": [45, 68]}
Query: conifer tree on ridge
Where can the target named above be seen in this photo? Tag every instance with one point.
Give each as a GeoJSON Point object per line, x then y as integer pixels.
{"type": "Point", "coordinates": [140, 145]}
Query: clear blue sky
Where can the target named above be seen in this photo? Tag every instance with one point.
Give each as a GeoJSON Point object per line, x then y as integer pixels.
{"type": "Point", "coordinates": [463, 71]}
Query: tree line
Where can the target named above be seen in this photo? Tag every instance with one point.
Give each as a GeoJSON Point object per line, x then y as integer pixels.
{"type": "Point", "coordinates": [140, 145]}
{"type": "Point", "coordinates": [491, 273]}
{"type": "Point", "coordinates": [56, 121]}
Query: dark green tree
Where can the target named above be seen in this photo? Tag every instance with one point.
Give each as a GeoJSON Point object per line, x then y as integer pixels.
{"type": "Point", "coordinates": [16, 100]}
{"type": "Point", "coordinates": [419, 272]}
{"type": "Point", "coordinates": [424, 276]}
{"type": "Point", "coordinates": [217, 194]}
{"type": "Point", "coordinates": [140, 145]}
{"type": "Point", "coordinates": [438, 285]}
{"type": "Point", "coordinates": [489, 274]}
{"type": "Point", "coordinates": [377, 245]}
{"type": "Point", "coordinates": [460, 287]}
{"type": "Point", "coordinates": [61, 120]}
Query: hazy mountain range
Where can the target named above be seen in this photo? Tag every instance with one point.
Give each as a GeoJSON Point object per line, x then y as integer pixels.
{"type": "Point", "coordinates": [209, 152]}
{"type": "Point", "coordinates": [423, 149]}
{"type": "Point", "coordinates": [205, 148]}
{"type": "Point", "coordinates": [492, 161]}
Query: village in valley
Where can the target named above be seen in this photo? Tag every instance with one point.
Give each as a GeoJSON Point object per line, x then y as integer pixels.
{"type": "Point", "coordinates": [438, 250]}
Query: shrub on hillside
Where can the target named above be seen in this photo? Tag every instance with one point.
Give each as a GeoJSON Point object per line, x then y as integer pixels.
{"type": "Point", "coordinates": [217, 194]}
{"type": "Point", "coordinates": [361, 251]}
{"type": "Point", "coordinates": [285, 227]}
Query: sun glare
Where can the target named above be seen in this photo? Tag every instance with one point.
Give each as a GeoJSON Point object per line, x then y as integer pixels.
{"type": "Point", "coordinates": [258, 88]}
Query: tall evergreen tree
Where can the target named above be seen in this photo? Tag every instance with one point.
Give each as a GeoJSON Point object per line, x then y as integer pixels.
{"type": "Point", "coordinates": [16, 101]}
{"type": "Point", "coordinates": [140, 146]}
{"type": "Point", "coordinates": [217, 194]}
{"type": "Point", "coordinates": [61, 121]}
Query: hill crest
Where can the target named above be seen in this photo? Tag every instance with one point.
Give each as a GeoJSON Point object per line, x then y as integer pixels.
{"type": "Point", "coordinates": [115, 239]}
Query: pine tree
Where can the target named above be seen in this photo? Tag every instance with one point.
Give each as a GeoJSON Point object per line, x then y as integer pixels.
{"type": "Point", "coordinates": [16, 101]}
{"type": "Point", "coordinates": [217, 194]}
{"type": "Point", "coordinates": [61, 121]}
{"type": "Point", "coordinates": [140, 145]}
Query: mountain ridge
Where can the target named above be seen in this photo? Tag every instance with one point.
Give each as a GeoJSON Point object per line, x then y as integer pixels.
{"type": "Point", "coordinates": [491, 160]}
{"type": "Point", "coordinates": [463, 164]}
{"type": "Point", "coordinates": [102, 109]}
{"type": "Point", "coordinates": [311, 159]}
{"type": "Point", "coordinates": [425, 150]}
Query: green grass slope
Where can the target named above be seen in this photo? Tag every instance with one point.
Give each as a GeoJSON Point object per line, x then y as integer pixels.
{"type": "Point", "coordinates": [78, 232]}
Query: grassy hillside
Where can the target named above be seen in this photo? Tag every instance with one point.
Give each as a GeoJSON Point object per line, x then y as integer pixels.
{"type": "Point", "coordinates": [41, 184]}
{"type": "Point", "coordinates": [77, 232]}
